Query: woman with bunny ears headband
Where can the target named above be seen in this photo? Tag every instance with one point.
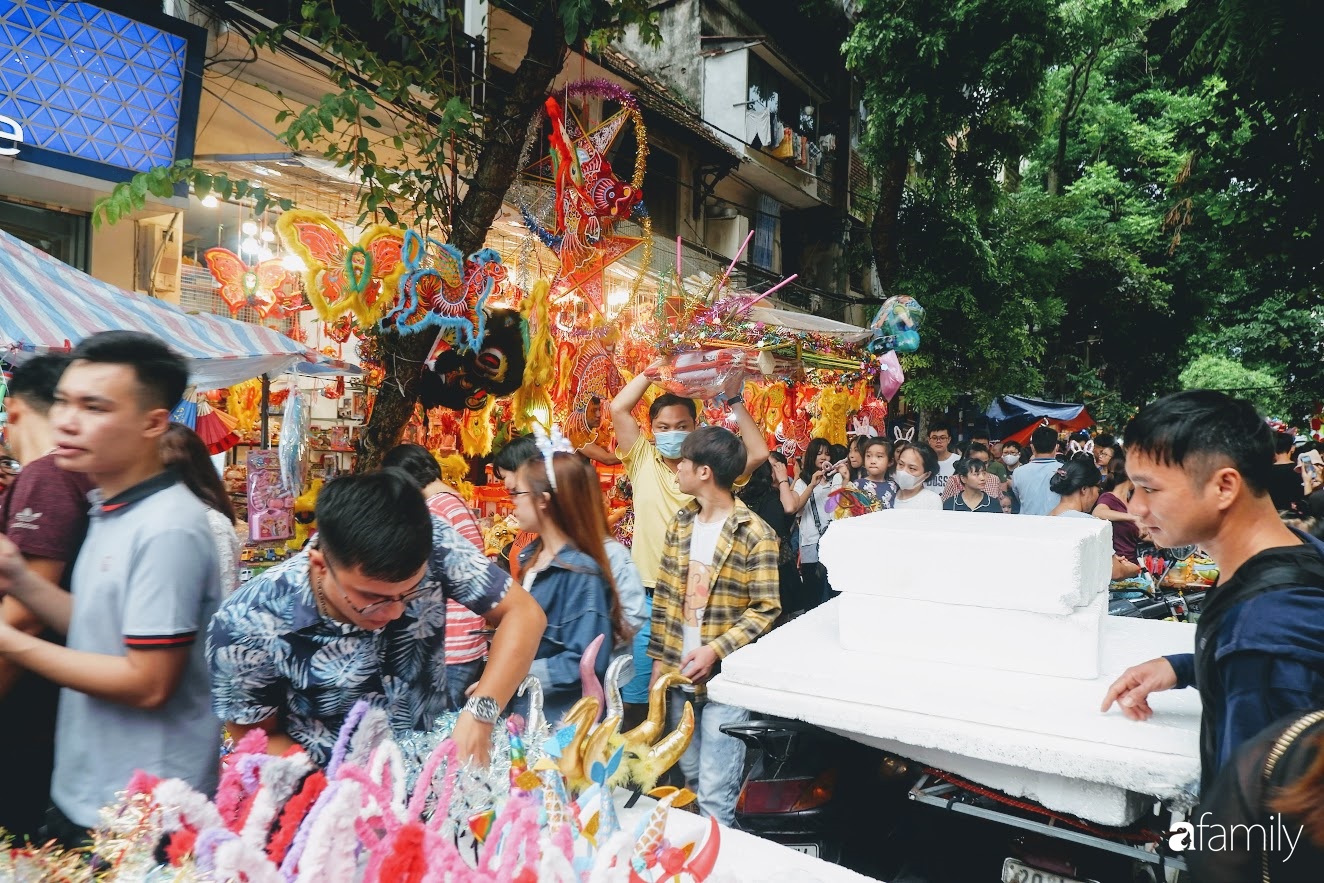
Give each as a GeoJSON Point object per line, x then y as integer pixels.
{"type": "Point", "coordinates": [566, 568]}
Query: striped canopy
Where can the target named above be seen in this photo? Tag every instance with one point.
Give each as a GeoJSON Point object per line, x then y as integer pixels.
{"type": "Point", "coordinates": [48, 306]}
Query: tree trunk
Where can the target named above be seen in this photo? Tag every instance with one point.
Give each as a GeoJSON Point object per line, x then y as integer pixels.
{"type": "Point", "coordinates": [887, 219]}
{"type": "Point", "coordinates": [495, 171]}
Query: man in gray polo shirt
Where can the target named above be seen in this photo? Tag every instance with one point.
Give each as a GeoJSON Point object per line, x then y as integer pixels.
{"type": "Point", "coordinates": [134, 676]}
{"type": "Point", "coordinates": [1031, 480]}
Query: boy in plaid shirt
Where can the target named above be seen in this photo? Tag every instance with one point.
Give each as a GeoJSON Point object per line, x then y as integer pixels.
{"type": "Point", "coordinates": [717, 590]}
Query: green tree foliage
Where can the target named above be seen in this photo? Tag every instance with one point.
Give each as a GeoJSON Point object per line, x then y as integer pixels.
{"type": "Point", "coordinates": [1210, 371]}
{"type": "Point", "coordinates": [1109, 208]}
{"type": "Point", "coordinates": [945, 82]}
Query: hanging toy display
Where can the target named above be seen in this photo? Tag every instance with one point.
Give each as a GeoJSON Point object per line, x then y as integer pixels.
{"type": "Point", "coordinates": [896, 326]}
{"type": "Point", "coordinates": [597, 380]}
{"type": "Point", "coordinates": [463, 381]}
{"type": "Point", "coordinates": [573, 201]}
{"type": "Point", "coordinates": [294, 441]}
{"type": "Point", "coordinates": [531, 404]}
{"type": "Point", "coordinates": [305, 516]}
{"type": "Point", "coordinates": [267, 287]}
{"type": "Point", "coordinates": [439, 288]}
{"type": "Point", "coordinates": [343, 279]}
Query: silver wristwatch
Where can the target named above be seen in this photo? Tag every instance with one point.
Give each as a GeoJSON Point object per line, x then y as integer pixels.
{"type": "Point", "coordinates": [484, 709]}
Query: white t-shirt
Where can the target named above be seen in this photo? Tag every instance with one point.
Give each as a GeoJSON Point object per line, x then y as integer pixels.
{"type": "Point", "coordinates": [925, 499]}
{"type": "Point", "coordinates": [808, 526]}
{"type": "Point", "coordinates": [698, 580]}
{"type": "Point", "coordinates": [946, 469]}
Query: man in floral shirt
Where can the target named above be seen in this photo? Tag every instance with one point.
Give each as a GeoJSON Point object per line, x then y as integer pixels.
{"type": "Point", "coordinates": [363, 613]}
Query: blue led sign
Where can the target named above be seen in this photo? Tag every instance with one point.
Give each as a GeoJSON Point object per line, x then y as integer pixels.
{"type": "Point", "coordinates": [96, 91]}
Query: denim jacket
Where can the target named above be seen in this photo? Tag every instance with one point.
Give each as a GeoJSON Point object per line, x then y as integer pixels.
{"type": "Point", "coordinates": [573, 594]}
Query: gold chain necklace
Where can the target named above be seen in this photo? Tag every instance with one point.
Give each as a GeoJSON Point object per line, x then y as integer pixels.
{"type": "Point", "coordinates": [319, 597]}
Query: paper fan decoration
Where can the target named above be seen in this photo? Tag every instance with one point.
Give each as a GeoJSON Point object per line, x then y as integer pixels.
{"type": "Point", "coordinates": [215, 428]}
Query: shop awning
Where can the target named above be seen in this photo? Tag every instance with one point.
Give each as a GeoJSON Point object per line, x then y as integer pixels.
{"type": "Point", "coordinates": [48, 306]}
{"type": "Point", "coordinates": [1014, 418]}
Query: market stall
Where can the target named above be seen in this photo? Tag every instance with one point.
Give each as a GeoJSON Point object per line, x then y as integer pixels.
{"type": "Point", "coordinates": [50, 306]}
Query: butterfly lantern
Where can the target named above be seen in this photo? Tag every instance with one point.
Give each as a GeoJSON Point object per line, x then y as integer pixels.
{"type": "Point", "coordinates": [267, 287]}
{"type": "Point", "coordinates": [343, 278]}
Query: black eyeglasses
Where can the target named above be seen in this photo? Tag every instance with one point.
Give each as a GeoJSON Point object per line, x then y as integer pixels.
{"type": "Point", "coordinates": [416, 592]}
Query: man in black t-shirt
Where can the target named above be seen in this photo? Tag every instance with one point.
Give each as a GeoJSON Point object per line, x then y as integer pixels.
{"type": "Point", "coordinates": [45, 515]}
{"type": "Point", "coordinates": [1285, 486]}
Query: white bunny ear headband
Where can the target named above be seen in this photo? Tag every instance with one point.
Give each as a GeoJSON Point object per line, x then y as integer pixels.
{"type": "Point", "coordinates": [1075, 447]}
{"type": "Point", "coordinates": [550, 446]}
{"type": "Point", "coordinates": [899, 435]}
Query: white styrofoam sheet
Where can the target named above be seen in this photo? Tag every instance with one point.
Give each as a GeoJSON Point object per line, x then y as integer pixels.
{"type": "Point", "coordinates": [1045, 643]}
{"type": "Point", "coordinates": [939, 556]}
{"type": "Point", "coordinates": [1012, 729]}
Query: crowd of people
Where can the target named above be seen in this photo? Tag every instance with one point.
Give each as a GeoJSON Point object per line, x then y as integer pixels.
{"type": "Point", "coordinates": [126, 642]}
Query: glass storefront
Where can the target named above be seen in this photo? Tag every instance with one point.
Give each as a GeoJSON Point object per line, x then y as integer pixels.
{"type": "Point", "coordinates": [58, 233]}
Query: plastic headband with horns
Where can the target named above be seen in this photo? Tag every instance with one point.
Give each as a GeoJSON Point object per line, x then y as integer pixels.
{"type": "Point", "coordinates": [550, 446]}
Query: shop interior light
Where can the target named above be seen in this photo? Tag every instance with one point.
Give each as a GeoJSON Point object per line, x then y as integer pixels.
{"type": "Point", "coordinates": [293, 263]}
{"type": "Point", "coordinates": [250, 228]}
{"type": "Point", "coordinates": [265, 254]}
{"type": "Point", "coordinates": [268, 236]}
{"type": "Point", "coordinates": [249, 245]}
{"type": "Point", "coordinates": [210, 201]}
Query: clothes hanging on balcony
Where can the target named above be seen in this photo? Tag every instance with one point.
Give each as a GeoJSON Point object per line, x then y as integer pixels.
{"type": "Point", "coordinates": [758, 124]}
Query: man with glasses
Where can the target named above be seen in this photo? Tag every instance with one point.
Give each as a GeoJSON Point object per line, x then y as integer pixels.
{"type": "Point", "coordinates": [362, 613]}
{"type": "Point", "coordinates": [940, 437]}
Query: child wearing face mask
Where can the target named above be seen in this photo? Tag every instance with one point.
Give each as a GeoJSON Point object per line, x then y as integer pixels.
{"type": "Point", "coordinates": [876, 477]}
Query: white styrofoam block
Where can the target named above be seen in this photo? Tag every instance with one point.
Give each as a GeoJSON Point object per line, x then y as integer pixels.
{"type": "Point", "coordinates": [1033, 723]}
{"type": "Point", "coordinates": [1039, 563]}
{"type": "Point", "coordinates": [1009, 640]}
{"type": "Point", "coordinates": [1102, 804]}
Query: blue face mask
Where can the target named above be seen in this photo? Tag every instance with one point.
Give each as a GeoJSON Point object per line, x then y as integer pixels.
{"type": "Point", "coordinates": [669, 442]}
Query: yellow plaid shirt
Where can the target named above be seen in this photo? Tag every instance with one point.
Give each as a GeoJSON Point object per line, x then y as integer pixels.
{"type": "Point", "coordinates": [744, 593]}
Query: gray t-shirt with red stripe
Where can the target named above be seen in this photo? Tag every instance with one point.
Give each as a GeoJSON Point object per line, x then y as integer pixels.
{"type": "Point", "coordinates": [146, 578]}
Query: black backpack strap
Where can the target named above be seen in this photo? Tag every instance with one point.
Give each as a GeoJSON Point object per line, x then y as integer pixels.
{"type": "Point", "coordinates": [1265, 580]}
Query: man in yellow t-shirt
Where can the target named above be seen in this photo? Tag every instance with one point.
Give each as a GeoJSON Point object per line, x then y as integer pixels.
{"type": "Point", "coordinates": [651, 468]}
{"type": "Point", "coordinates": [651, 465]}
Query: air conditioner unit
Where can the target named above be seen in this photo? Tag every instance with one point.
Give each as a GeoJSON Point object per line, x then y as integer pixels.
{"type": "Point", "coordinates": [160, 256]}
{"type": "Point", "coordinates": [724, 235]}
